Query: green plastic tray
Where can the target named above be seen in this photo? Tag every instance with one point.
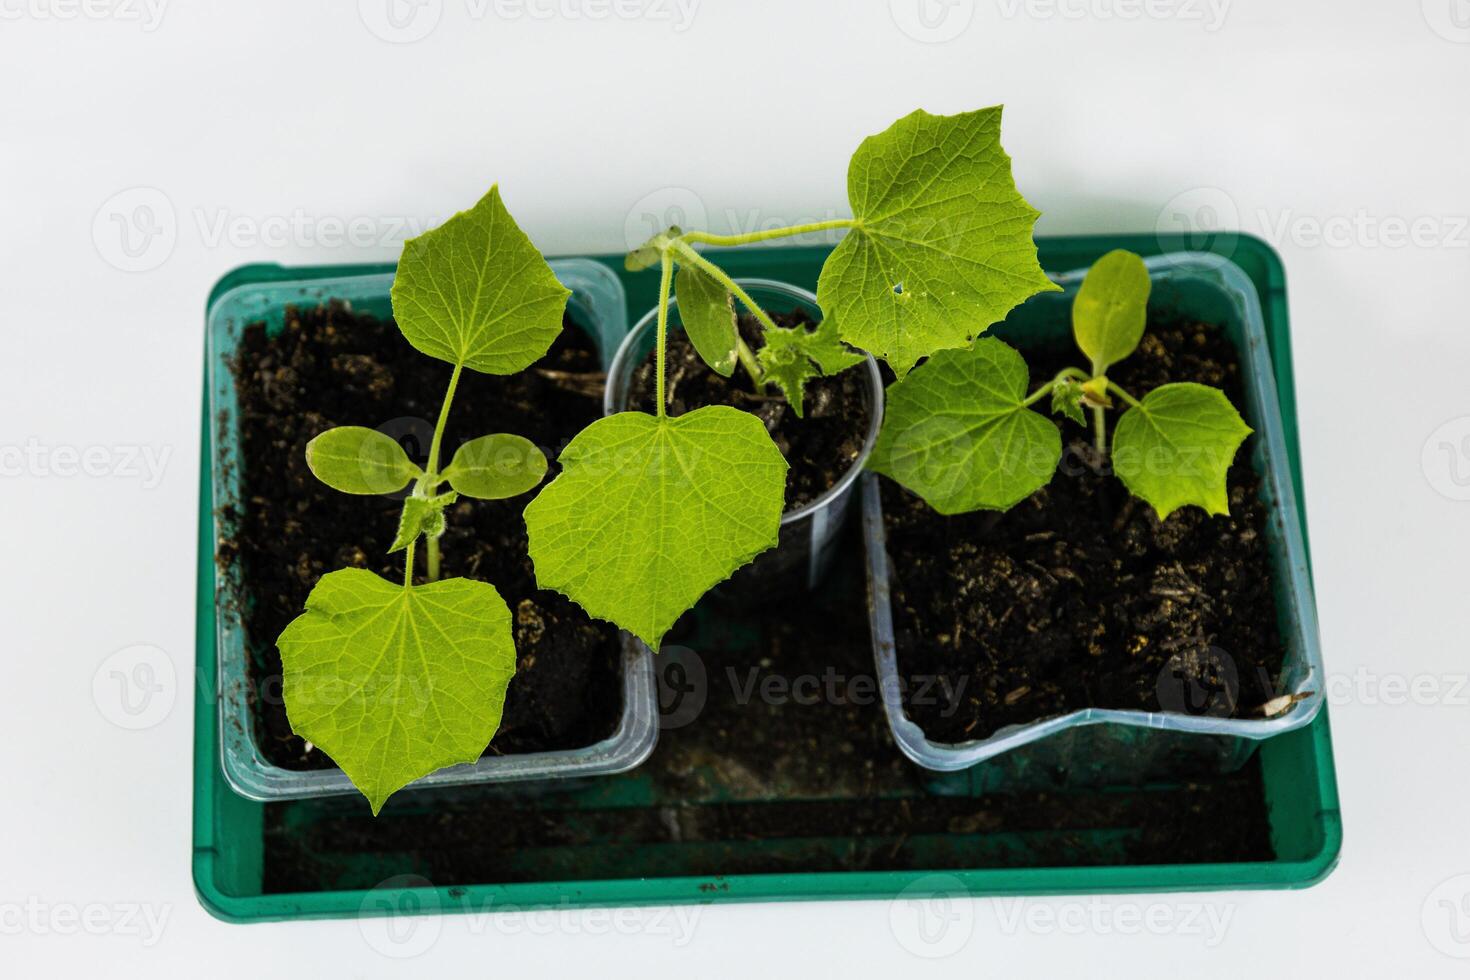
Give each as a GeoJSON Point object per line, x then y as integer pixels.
{"type": "Point", "coordinates": [231, 860]}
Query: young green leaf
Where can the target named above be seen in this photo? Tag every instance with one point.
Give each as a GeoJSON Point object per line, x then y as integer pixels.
{"type": "Point", "coordinates": [1066, 399]}
{"type": "Point", "coordinates": [421, 515]}
{"type": "Point", "coordinates": [788, 367]}
{"type": "Point", "coordinates": [941, 242]}
{"type": "Point", "coordinates": [1109, 312]}
{"type": "Point", "coordinates": [496, 466]}
{"type": "Point", "coordinates": [708, 312]}
{"type": "Point", "coordinates": [1175, 447]}
{"type": "Point", "coordinates": [792, 356]}
{"type": "Point", "coordinates": [957, 433]}
{"type": "Point", "coordinates": [394, 683]}
{"type": "Point", "coordinates": [648, 513]}
{"type": "Point", "coordinates": [475, 291]}
{"type": "Point", "coordinates": [355, 459]}
{"type": "Point", "coordinates": [821, 344]}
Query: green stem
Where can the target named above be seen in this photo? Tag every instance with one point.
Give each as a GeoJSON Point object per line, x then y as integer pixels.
{"type": "Point", "coordinates": [666, 275]}
{"type": "Point", "coordinates": [408, 565]}
{"type": "Point", "coordinates": [705, 238]}
{"type": "Point", "coordinates": [688, 253]}
{"type": "Point", "coordinates": [1132, 402]}
{"type": "Point", "coordinates": [428, 484]}
{"type": "Point", "coordinates": [1100, 427]}
{"type": "Point", "coordinates": [432, 471]}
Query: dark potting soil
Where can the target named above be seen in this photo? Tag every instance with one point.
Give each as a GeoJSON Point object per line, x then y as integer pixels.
{"type": "Point", "coordinates": [332, 366]}
{"type": "Point", "coordinates": [775, 757]}
{"type": "Point", "coordinates": [819, 448]}
{"type": "Point", "coordinates": [1079, 596]}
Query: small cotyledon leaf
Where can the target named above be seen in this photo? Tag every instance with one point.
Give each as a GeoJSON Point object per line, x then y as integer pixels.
{"type": "Point", "coordinates": [1111, 308]}
{"type": "Point", "coordinates": [941, 244]}
{"type": "Point", "coordinates": [1175, 447]}
{"type": "Point", "coordinates": [356, 459]}
{"type": "Point", "coordinates": [708, 313]}
{"type": "Point", "coordinates": [648, 513]}
{"type": "Point", "coordinates": [395, 683]}
{"type": "Point", "coordinates": [474, 291]}
{"type": "Point", "coordinates": [496, 466]}
{"type": "Point", "coordinates": [957, 433]}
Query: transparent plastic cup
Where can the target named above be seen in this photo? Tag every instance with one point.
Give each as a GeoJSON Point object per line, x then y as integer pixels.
{"type": "Point", "coordinates": [597, 306]}
{"type": "Point", "coordinates": [810, 533]}
{"type": "Point", "coordinates": [1099, 746]}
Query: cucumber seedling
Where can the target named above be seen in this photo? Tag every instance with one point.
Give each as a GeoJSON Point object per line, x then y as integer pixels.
{"type": "Point", "coordinates": [961, 432]}
{"type": "Point", "coordinates": [651, 511]}
{"type": "Point", "coordinates": [396, 680]}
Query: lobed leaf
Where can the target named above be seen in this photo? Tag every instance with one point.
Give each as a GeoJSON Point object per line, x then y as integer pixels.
{"type": "Point", "coordinates": [788, 367]}
{"type": "Point", "coordinates": [496, 466]}
{"type": "Point", "coordinates": [792, 356]}
{"type": "Point", "coordinates": [1111, 308]}
{"type": "Point", "coordinates": [957, 433]}
{"type": "Point", "coordinates": [649, 512]}
{"type": "Point", "coordinates": [394, 683]}
{"type": "Point", "coordinates": [708, 313]}
{"type": "Point", "coordinates": [1175, 448]}
{"type": "Point", "coordinates": [356, 459]}
{"type": "Point", "coordinates": [475, 291]}
{"type": "Point", "coordinates": [1066, 399]}
{"type": "Point", "coordinates": [941, 246]}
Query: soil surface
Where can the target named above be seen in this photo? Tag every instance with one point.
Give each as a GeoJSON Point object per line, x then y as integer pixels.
{"type": "Point", "coordinates": [331, 366]}
{"type": "Point", "coordinates": [1079, 596]}
{"type": "Point", "coordinates": [775, 757]}
{"type": "Point", "coordinates": [820, 447]}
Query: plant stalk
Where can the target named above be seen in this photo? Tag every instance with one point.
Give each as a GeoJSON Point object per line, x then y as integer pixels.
{"type": "Point", "coordinates": [666, 275]}
{"type": "Point", "coordinates": [705, 238]}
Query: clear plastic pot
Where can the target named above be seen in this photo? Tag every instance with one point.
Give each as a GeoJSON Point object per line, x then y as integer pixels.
{"type": "Point", "coordinates": [598, 306]}
{"type": "Point", "coordinates": [1098, 746]}
{"type": "Point", "coordinates": [809, 534]}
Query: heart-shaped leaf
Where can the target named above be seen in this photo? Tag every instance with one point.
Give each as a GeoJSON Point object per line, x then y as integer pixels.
{"type": "Point", "coordinates": [496, 466]}
{"type": "Point", "coordinates": [475, 291]}
{"type": "Point", "coordinates": [1176, 446]}
{"type": "Point", "coordinates": [957, 433]}
{"type": "Point", "coordinates": [355, 459]}
{"type": "Point", "coordinates": [648, 513]}
{"type": "Point", "coordinates": [941, 243]}
{"type": "Point", "coordinates": [394, 683]}
{"type": "Point", "coordinates": [1111, 308]}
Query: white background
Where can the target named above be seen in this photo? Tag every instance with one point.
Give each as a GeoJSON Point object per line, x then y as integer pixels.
{"type": "Point", "coordinates": [1330, 128]}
